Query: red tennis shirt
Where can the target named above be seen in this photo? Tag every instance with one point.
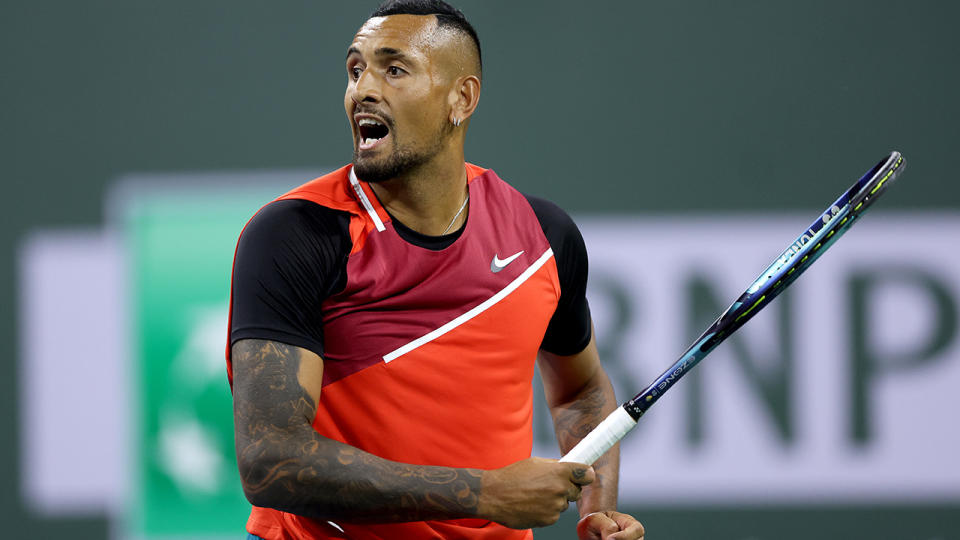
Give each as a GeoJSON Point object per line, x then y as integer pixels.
{"type": "Point", "coordinates": [428, 350]}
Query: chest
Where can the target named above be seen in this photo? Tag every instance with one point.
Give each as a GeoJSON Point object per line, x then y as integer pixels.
{"type": "Point", "coordinates": [495, 286]}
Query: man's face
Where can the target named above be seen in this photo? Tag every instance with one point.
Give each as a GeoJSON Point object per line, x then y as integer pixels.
{"type": "Point", "coordinates": [396, 97]}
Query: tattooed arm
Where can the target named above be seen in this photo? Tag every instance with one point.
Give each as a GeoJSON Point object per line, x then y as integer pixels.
{"type": "Point", "coordinates": [285, 464]}
{"type": "Point", "coordinates": [580, 396]}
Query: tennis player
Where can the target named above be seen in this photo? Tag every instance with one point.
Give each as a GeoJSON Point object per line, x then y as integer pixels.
{"type": "Point", "coordinates": [386, 319]}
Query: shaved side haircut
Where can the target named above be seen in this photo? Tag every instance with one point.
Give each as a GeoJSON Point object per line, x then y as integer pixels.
{"type": "Point", "coordinates": [447, 17]}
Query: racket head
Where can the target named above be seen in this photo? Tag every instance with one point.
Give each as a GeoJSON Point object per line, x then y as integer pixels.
{"type": "Point", "coordinates": [829, 226]}
{"type": "Point", "coordinates": [802, 253]}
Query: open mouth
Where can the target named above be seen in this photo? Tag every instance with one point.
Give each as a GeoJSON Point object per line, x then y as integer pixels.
{"type": "Point", "coordinates": [371, 131]}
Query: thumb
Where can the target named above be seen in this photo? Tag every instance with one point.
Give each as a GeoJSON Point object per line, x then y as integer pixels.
{"type": "Point", "coordinates": [581, 474]}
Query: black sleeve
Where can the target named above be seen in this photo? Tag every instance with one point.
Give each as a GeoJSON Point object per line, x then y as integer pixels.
{"type": "Point", "coordinates": [570, 329]}
{"type": "Point", "coordinates": [291, 256]}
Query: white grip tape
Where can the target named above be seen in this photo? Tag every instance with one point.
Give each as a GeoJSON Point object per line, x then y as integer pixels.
{"type": "Point", "coordinates": [605, 435]}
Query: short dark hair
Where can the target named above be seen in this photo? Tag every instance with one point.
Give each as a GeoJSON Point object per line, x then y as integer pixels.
{"type": "Point", "coordinates": [447, 16]}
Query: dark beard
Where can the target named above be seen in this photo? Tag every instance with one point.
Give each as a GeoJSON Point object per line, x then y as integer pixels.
{"type": "Point", "coordinates": [396, 164]}
{"type": "Point", "coordinates": [401, 161]}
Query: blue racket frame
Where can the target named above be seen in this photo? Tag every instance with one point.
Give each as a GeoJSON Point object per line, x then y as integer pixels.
{"type": "Point", "coordinates": [819, 236]}
{"type": "Point", "coordinates": [802, 253]}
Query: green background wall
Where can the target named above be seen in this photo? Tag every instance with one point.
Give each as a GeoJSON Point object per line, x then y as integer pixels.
{"type": "Point", "coordinates": [615, 107]}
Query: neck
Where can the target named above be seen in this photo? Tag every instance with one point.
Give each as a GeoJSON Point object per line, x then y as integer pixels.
{"type": "Point", "coordinates": [427, 199]}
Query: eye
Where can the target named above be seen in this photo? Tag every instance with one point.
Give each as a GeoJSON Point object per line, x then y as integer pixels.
{"type": "Point", "coordinates": [395, 71]}
{"type": "Point", "coordinates": [354, 72]}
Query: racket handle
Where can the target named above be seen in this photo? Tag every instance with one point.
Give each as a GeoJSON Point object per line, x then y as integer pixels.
{"type": "Point", "coordinates": [602, 438]}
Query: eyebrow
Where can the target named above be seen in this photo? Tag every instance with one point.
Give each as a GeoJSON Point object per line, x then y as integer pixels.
{"type": "Point", "coordinates": [382, 51]}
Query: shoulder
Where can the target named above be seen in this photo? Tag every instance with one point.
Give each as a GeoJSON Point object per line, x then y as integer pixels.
{"type": "Point", "coordinates": [557, 225]}
{"type": "Point", "coordinates": [293, 223]}
{"type": "Point", "coordinates": [549, 213]}
{"type": "Point", "coordinates": [292, 214]}
{"type": "Point", "coordinates": [332, 190]}
{"type": "Point", "coordinates": [292, 245]}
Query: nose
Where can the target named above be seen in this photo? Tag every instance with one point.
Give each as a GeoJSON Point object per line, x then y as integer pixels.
{"type": "Point", "coordinates": [366, 89]}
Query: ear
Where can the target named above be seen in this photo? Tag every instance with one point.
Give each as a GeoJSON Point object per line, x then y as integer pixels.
{"type": "Point", "coordinates": [463, 99]}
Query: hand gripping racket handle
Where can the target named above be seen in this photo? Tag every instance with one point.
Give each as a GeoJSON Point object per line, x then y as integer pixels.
{"type": "Point", "coordinates": [602, 438]}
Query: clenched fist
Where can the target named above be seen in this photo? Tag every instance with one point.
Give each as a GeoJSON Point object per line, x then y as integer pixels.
{"type": "Point", "coordinates": [609, 526]}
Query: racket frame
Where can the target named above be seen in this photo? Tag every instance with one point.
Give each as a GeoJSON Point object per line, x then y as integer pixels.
{"type": "Point", "coordinates": [784, 270]}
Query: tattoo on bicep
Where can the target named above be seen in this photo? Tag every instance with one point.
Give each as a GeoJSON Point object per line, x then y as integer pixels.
{"type": "Point", "coordinates": [300, 471]}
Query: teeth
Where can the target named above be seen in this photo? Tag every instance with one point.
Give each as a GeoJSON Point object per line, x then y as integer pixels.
{"type": "Point", "coordinates": [368, 122]}
{"type": "Point", "coordinates": [370, 141]}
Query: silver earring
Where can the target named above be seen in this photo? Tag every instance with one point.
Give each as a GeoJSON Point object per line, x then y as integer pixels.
{"type": "Point", "coordinates": [456, 122]}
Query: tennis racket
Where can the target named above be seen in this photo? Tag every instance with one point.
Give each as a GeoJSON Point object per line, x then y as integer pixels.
{"type": "Point", "coordinates": [821, 234]}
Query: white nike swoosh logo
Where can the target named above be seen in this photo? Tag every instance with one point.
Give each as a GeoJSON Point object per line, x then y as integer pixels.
{"type": "Point", "coordinates": [499, 264]}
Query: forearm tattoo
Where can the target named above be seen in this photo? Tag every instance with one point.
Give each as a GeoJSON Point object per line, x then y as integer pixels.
{"type": "Point", "coordinates": [572, 421]}
{"type": "Point", "coordinates": [286, 464]}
